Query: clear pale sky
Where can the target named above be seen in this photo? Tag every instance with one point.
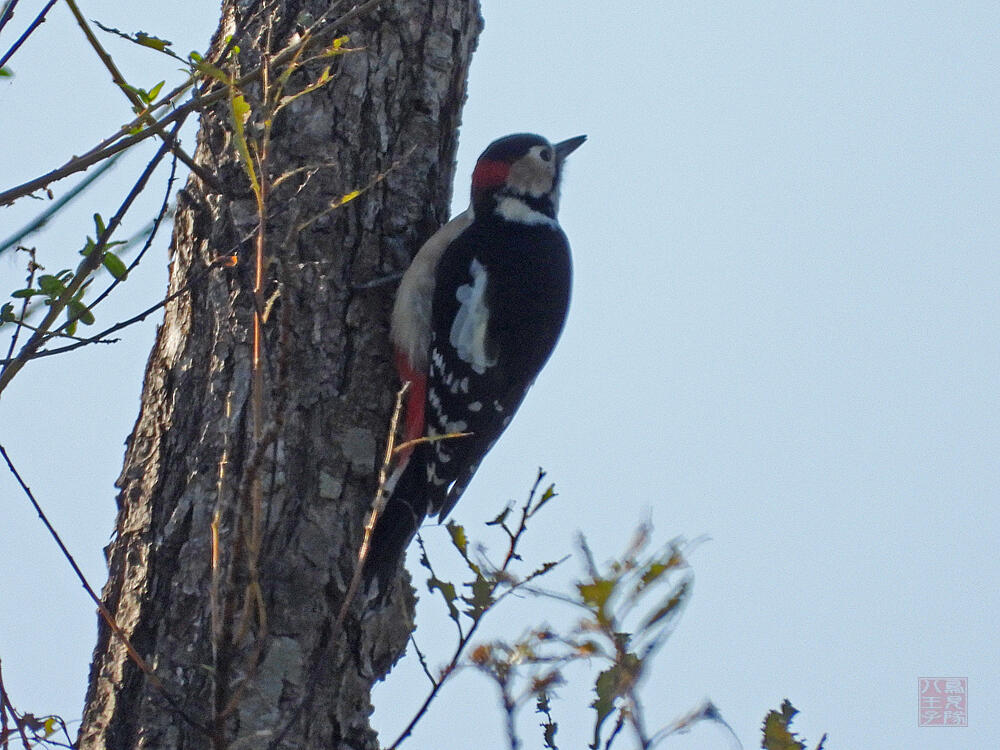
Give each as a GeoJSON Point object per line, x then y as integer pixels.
{"type": "Point", "coordinates": [783, 337]}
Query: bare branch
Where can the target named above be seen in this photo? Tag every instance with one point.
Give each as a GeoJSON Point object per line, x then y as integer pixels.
{"type": "Point", "coordinates": [32, 269]}
{"type": "Point", "coordinates": [85, 269]}
{"type": "Point", "coordinates": [139, 106]}
{"type": "Point", "coordinates": [149, 240]}
{"type": "Point", "coordinates": [42, 219]}
{"type": "Point", "coordinates": [105, 613]}
{"type": "Point", "coordinates": [119, 141]}
{"type": "Point", "coordinates": [39, 20]}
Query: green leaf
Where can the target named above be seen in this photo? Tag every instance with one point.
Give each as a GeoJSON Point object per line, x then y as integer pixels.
{"type": "Point", "coordinates": [596, 593]}
{"type": "Point", "coordinates": [210, 70]}
{"type": "Point", "coordinates": [141, 37]}
{"type": "Point", "coordinates": [76, 310]}
{"type": "Point", "coordinates": [6, 72]}
{"type": "Point", "coordinates": [345, 198]}
{"type": "Point", "coordinates": [51, 285]}
{"type": "Point", "coordinates": [7, 313]}
{"type": "Point", "coordinates": [481, 599]}
{"type": "Point", "coordinates": [50, 726]}
{"type": "Point", "coordinates": [115, 265]}
{"type": "Point", "coordinates": [458, 538]}
{"type": "Point", "coordinates": [777, 732]}
{"type": "Point", "coordinates": [24, 293]}
{"type": "Point", "coordinates": [606, 687]}
{"type": "Point", "coordinates": [337, 47]}
{"type": "Point", "coordinates": [240, 111]}
{"type": "Point", "coordinates": [447, 590]}
{"type": "Point", "coordinates": [550, 492]}
{"type": "Point", "coordinates": [133, 89]}
{"type": "Point", "coordinates": [154, 92]}
{"type": "Point", "coordinates": [99, 223]}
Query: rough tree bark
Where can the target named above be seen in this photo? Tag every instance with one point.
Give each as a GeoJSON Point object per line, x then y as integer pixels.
{"type": "Point", "coordinates": [248, 648]}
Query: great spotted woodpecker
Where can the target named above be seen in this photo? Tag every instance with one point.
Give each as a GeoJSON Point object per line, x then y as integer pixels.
{"type": "Point", "coordinates": [476, 316]}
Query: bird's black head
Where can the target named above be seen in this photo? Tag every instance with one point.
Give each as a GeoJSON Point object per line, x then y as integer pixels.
{"type": "Point", "coordinates": [525, 167]}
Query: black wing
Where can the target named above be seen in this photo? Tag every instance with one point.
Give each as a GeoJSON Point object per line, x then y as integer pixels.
{"type": "Point", "coordinates": [517, 276]}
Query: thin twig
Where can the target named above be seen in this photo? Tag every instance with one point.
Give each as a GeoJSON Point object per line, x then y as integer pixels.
{"type": "Point", "coordinates": [378, 505]}
{"type": "Point", "coordinates": [39, 20]}
{"type": "Point", "coordinates": [84, 270]}
{"type": "Point", "coordinates": [119, 142]}
{"type": "Point", "coordinates": [139, 106]}
{"type": "Point", "coordinates": [149, 240]}
{"type": "Point", "coordinates": [7, 13]}
{"type": "Point", "coordinates": [523, 525]}
{"type": "Point", "coordinates": [42, 219]}
{"type": "Point", "coordinates": [464, 641]}
{"type": "Point", "coordinates": [423, 660]}
{"type": "Point", "coordinates": [32, 269]}
{"type": "Point", "coordinates": [7, 707]}
{"type": "Point", "coordinates": [100, 338]}
{"type": "Point", "coordinates": [103, 610]}
{"type": "Point", "coordinates": [80, 163]}
{"type": "Point", "coordinates": [53, 334]}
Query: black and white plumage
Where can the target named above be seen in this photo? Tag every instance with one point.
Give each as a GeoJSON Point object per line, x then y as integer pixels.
{"type": "Point", "coordinates": [476, 317]}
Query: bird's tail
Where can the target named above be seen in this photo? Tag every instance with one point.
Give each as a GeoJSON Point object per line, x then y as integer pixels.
{"type": "Point", "coordinates": [396, 527]}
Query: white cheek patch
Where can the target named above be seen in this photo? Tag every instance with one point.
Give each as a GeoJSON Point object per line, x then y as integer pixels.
{"type": "Point", "coordinates": [531, 175]}
{"type": "Point", "coordinates": [468, 331]}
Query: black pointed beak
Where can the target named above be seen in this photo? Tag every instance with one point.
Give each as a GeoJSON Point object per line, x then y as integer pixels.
{"type": "Point", "coordinates": [567, 147]}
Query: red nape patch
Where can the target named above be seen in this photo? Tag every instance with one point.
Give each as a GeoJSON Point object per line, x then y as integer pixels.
{"type": "Point", "coordinates": [416, 399]}
{"type": "Point", "coordinates": [489, 173]}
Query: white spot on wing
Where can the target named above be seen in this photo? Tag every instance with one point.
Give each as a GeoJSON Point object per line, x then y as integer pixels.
{"type": "Point", "coordinates": [475, 406]}
{"type": "Point", "coordinates": [437, 361]}
{"type": "Point", "coordinates": [459, 425]}
{"type": "Point", "coordinates": [432, 477]}
{"type": "Point", "coordinates": [468, 331]}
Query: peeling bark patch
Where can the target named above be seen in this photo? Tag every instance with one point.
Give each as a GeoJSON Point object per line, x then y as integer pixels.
{"type": "Point", "coordinates": [330, 486]}
{"type": "Point", "coordinates": [282, 666]}
{"type": "Point", "coordinates": [358, 446]}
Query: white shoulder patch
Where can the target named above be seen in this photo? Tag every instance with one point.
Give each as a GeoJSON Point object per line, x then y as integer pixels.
{"type": "Point", "coordinates": [468, 331]}
{"type": "Point", "coordinates": [514, 209]}
{"type": "Point", "coordinates": [411, 314]}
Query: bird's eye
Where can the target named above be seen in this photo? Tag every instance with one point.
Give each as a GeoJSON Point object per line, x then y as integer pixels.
{"type": "Point", "coordinates": [545, 154]}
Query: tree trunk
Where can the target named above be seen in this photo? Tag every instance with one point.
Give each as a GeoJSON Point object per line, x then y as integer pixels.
{"type": "Point", "coordinates": [281, 459]}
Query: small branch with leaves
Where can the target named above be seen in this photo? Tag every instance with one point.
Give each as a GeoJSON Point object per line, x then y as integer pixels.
{"type": "Point", "coordinates": [31, 730]}
{"type": "Point", "coordinates": [490, 586]}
